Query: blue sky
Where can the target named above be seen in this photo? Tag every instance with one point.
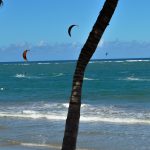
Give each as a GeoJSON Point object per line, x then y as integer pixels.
{"type": "Point", "coordinates": [42, 27]}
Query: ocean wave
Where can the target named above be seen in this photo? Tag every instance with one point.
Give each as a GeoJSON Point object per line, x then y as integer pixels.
{"type": "Point", "coordinates": [58, 75]}
{"type": "Point", "coordinates": [22, 64]}
{"type": "Point", "coordinates": [66, 105]}
{"type": "Point", "coordinates": [134, 79]}
{"type": "Point", "coordinates": [139, 60]}
{"type": "Point", "coordinates": [34, 116]}
{"type": "Point", "coordinates": [44, 145]}
{"type": "Point", "coordinates": [35, 145]}
{"type": "Point", "coordinates": [44, 63]}
{"type": "Point", "coordinates": [20, 76]}
{"type": "Point", "coordinates": [17, 64]}
{"type": "Point", "coordinates": [119, 61]}
{"type": "Point", "coordinates": [89, 79]}
{"type": "Point", "coordinates": [2, 89]}
{"type": "Point", "coordinates": [89, 113]}
{"type": "Point", "coordinates": [39, 145]}
{"type": "Point", "coordinates": [115, 120]}
{"type": "Point", "coordinates": [93, 62]}
{"type": "Point", "coordinates": [13, 142]}
{"type": "Point", "coordinates": [82, 118]}
{"type": "Point", "coordinates": [27, 76]}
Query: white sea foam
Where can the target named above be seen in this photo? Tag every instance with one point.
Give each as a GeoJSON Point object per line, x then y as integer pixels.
{"type": "Point", "coordinates": [115, 120]}
{"type": "Point", "coordinates": [27, 76]}
{"type": "Point", "coordinates": [16, 64]}
{"type": "Point", "coordinates": [93, 62]}
{"type": "Point", "coordinates": [34, 116]}
{"type": "Point", "coordinates": [89, 79]}
{"type": "Point", "coordinates": [22, 64]}
{"type": "Point", "coordinates": [82, 118]}
{"type": "Point", "coordinates": [67, 105]}
{"type": "Point", "coordinates": [58, 75]}
{"type": "Point", "coordinates": [107, 61]}
{"type": "Point", "coordinates": [89, 113]}
{"type": "Point", "coordinates": [140, 60]}
{"type": "Point", "coordinates": [28, 112]}
{"type": "Point", "coordinates": [2, 89]}
{"type": "Point", "coordinates": [44, 63]}
{"type": "Point", "coordinates": [134, 79]}
{"type": "Point", "coordinates": [43, 145]}
{"type": "Point", "coordinates": [20, 76]}
{"type": "Point", "coordinates": [39, 145]}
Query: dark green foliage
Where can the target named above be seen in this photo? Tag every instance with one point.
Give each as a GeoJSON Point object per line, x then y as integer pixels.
{"type": "Point", "coordinates": [1, 2]}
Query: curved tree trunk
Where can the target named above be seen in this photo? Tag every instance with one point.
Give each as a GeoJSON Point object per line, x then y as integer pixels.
{"type": "Point", "coordinates": [72, 122]}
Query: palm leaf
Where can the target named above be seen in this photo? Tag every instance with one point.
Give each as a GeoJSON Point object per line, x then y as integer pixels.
{"type": "Point", "coordinates": [1, 2]}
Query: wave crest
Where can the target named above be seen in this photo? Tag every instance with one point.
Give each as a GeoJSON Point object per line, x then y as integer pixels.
{"type": "Point", "coordinates": [89, 113]}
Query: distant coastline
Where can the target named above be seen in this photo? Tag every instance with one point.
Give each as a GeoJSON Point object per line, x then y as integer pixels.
{"type": "Point", "coordinates": [92, 60]}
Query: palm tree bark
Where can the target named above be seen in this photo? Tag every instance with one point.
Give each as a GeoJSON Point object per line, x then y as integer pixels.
{"type": "Point", "coordinates": [72, 121]}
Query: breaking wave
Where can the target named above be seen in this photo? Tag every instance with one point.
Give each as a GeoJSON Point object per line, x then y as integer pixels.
{"type": "Point", "coordinates": [28, 76]}
{"type": "Point", "coordinates": [89, 113]}
{"type": "Point", "coordinates": [139, 60]}
{"type": "Point", "coordinates": [89, 79]}
{"type": "Point", "coordinates": [20, 76]}
{"type": "Point", "coordinates": [2, 89]}
{"type": "Point", "coordinates": [57, 75]}
{"type": "Point", "coordinates": [39, 145]}
{"type": "Point", "coordinates": [44, 63]}
{"type": "Point", "coordinates": [57, 117]}
{"type": "Point", "coordinates": [43, 145]}
{"type": "Point", "coordinates": [134, 79]}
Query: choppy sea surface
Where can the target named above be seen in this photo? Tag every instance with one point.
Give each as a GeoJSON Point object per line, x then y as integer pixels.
{"type": "Point", "coordinates": [115, 110]}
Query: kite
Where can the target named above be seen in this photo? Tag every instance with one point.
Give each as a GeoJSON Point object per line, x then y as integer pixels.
{"type": "Point", "coordinates": [25, 55]}
{"type": "Point", "coordinates": [70, 28]}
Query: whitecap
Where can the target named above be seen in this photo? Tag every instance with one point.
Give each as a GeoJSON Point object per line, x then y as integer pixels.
{"type": "Point", "coordinates": [66, 105]}
{"type": "Point", "coordinates": [134, 79]}
{"type": "Point", "coordinates": [20, 76]}
{"type": "Point", "coordinates": [58, 75]}
{"type": "Point", "coordinates": [139, 60]}
{"type": "Point", "coordinates": [89, 79]}
{"type": "Point", "coordinates": [39, 145]}
{"type": "Point", "coordinates": [2, 89]}
{"type": "Point", "coordinates": [22, 64]}
{"type": "Point", "coordinates": [42, 63]}
{"type": "Point", "coordinates": [93, 62]}
{"type": "Point", "coordinates": [27, 76]}
{"type": "Point", "coordinates": [28, 112]}
{"type": "Point", "coordinates": [115, 120]}
{"type": "Point", "coordinates": [34, 116]}
{"type": "Point", "coordinates": [87, 119]}
{"type": "Point", "coordinates": [43, 145]}
{"type": "Point", "coordinates": [89, 113]}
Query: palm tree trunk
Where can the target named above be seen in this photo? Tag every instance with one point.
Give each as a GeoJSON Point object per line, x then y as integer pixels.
{"type": "Point", "coordinates": [72, 122]}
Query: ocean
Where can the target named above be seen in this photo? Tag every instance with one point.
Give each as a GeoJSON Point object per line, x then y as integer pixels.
{"type": "Point", "coordinates": [115, 110]}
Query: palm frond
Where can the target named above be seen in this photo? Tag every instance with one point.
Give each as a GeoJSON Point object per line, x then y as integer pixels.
{"type": "Point", "coordinates": [1, 2]}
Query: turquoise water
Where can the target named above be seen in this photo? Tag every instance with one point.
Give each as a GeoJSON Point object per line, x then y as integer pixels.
{"type": "Point", "coordinates": [115, 113]}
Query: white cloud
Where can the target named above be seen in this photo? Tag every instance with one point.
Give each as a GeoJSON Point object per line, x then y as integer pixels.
{"type": "Point", "coordinates": [67, 51]}
{"type": "Point", "coordinates": [42, 43]}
